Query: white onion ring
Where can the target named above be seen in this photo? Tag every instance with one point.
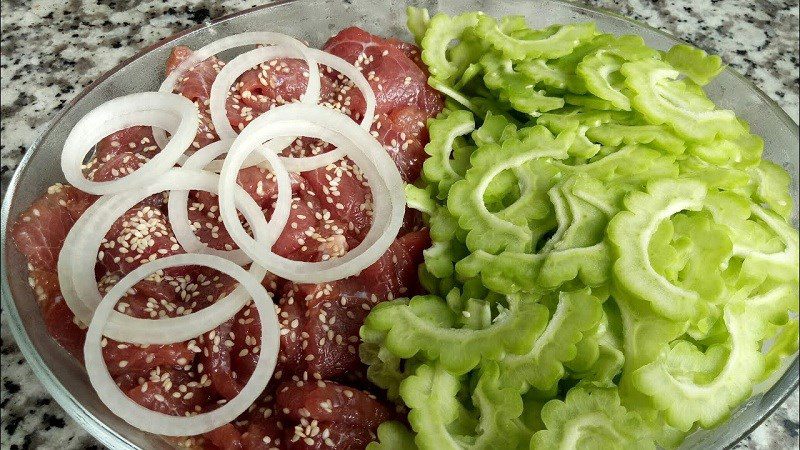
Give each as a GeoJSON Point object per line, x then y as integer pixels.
{"type": "Point", "coordinates": [78, 255]}
{"type": "Point", "coordinates": [164, 424]}
{"type": "Point", "coordinates": [177, 206]}
{"type": "Point", "coordinates": [226, 78]}
{"type": "Point", "coordinates": [220, 90]}
{"type": "Point", "coordinates": [367, 153]}
{"type": "Point", "coordinates": [66, 261]}
{"type": "Point", "coordinates": [244, 62]}
{"type": "Point", "coordinates": [157, 109]}
{"type": "Point", "coordinates": [240, 40]}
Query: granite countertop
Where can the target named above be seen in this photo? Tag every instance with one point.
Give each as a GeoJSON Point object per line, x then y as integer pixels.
{"type": "Point", "coordinates": [758, 38]}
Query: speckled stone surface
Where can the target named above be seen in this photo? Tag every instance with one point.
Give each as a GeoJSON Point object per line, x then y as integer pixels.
{"type": "Point", "coordinates": [49, 52]}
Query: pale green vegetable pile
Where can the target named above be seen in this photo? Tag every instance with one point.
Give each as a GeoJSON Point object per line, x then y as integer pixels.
{"type": "Point", "coordinates": [610, 252]}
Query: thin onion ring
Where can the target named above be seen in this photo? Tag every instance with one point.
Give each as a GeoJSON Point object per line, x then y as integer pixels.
{"type": "Point", "coordinates": [368, 154]}
{"type": "Point", "coordinates": [244, 62]}
{"type": "Point", "coordinates": [77, 258]}
{"type": "Point", "coordinates": [160, 110]}
{"type": "Point", "coordinates": [163, 424]}
{"type": "Point", "coordinates": [220, 90]}
{"type": "Point", "coordinates": [240, 40]}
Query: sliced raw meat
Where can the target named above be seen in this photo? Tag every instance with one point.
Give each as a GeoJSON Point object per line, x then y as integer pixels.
{"type": "Point", "coordinates": [158, 201]}
{"type": "Point", "coordinates": [412, 221]}
{"type": "Point", "coordinates": [404, 135]}
{"type": "Point", "coordinates": [230, 352]}
{"type": "Point", "coordinates": [147, 299]}
{"type": "Point", "coordinates": [199, 287]}
{"type": "Point", "coordinates": [172, 391]}
{"type": "Point", "coordinates": [130, 380]}
{"type": "Point", "coordinates": [61, 324]}
{"type": "Point", "coordinates": [207, 224]}
{"type": "Point", "coordinates": [196, 82]}
{"type": "Point", "coordinates": [226, 437]}
{"type": "Point", "coordinates": [292, 321]}
{"type": "Point", "coordinates": [320, 322]}
{"type": "Point", "coordinates": [122, 357]}
{"type": "Point", "coordinates": [315, 435]}
{"type": "Point", "coordinates": [260, 183]}
{"type": "Point", "coordinates": [121, 153]}
{"type": "Point", "coordinates": [40, 230]}
{"type": "Point", "coordinates": [305, 146]}
{"type": "Point", "coordinates": [328, 401]}
{"type": "Point", "coordinates": [311, 233]}
{"type": "Point", "coordinates": [263, 437]}
{"type": "Point", "coordinates": [265, 427]}
{"type": "Point", "coordinates": [246, 339]}
{"type": "Point", "coordinates": [334, 314]}
{"type": "Point", "coordinates": [274, 83]}
{"type": "Point", "coordinates": [335, 311]}
{"type": "Point", "coordinates": [117, 166]}
{"type": "Point", "coordinates": [273, 284]}
{"type": "Point", "coordinates": [327, 414]}
{"type": "Point", "coordinates": [395, 273]}
{"type": "Point", "coordinates": [45, 285]}
{"type": "Point", "coordinates": [64, 327]}
{"type": "Point", "coordinates": [410, 50]}
{"type": "Point", "coordinates": [138, 140]}
{"type": "Point", "coordinates": [397, 80]}
{"type": "Point", "coordinates": [345, 193]}
{"type": "Point", "coordinates": [139, 236]}
{"type": "Point", "coordinates": [216, 357]}
{"type": "Point", "coordinates": [260, 428]}
{"type": "Point", "coordinates": [204, 207]}
{"type": "Point", "coordinates": [357, 378]}
{"type": "Point", "coordinates": [196, 86]}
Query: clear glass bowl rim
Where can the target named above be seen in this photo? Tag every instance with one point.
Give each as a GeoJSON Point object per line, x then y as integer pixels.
{"type": "Point", "coordinates": [110, 437]}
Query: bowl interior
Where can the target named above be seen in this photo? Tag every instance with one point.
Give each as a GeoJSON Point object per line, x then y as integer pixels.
{"type": "Point", "coordinates": [315, 21]}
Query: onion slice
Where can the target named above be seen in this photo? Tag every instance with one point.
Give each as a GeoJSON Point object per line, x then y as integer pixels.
{"type": "Point", "coordinates": [163, 424]}
{"type": "Point", "coordinates": [163, 111]}
{"type": "Point", "coordinates": [244, 62]}
{"type": "Point", "coordinates": [338, 129]}
{"type": "Point", "coordinates": [220, 90]}
{"type": "Point", "coordinates": [67, 260]}
{"type": "Point", "coordinates": [78, 256]}
{"type": "Point", "coordinates": [230, 72]}
{"type": "Point", "coordinates": [241, 40]}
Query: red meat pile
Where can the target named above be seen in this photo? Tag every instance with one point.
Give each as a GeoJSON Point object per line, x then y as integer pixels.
{"type": "Point", "coordinates": [319, 397]}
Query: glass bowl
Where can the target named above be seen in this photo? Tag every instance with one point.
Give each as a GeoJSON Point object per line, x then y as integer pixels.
{"type": "Point", "coordinates": [315, 21]}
